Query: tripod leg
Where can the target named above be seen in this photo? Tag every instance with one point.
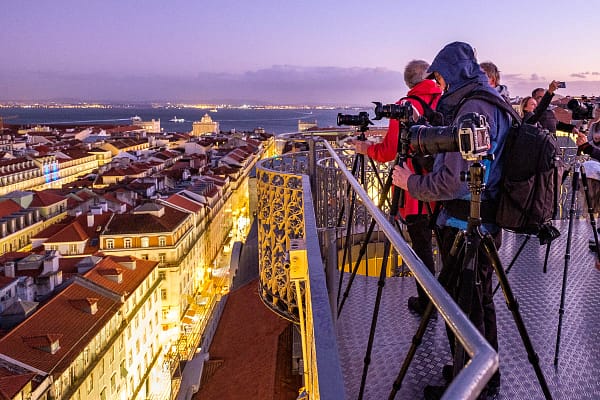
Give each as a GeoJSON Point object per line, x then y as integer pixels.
{"type": "Point", "coordinates": [380, 285]}
{"type": "Point", "coordinates": [512, 262]}
{"type": "Point", "coordinates": [363, 249]}
{"type": "Point", "coordinates": [588, 200]}
{"type": "Point", "coordinates": [444, 278]}
{"type": "Point", "coordinates": [512, 304]}
{"type": "Point", "coordinates": [561, 309]}
{"type": "Point", "coordinates": [347, 245]}
{"type": "Point", "coordinates": [546, 257]}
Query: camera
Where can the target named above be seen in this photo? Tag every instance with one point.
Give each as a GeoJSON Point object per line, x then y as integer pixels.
{"type": "Point", "coordinates": [581, 109]}
{"type": "Point", "coordinates": [470, 137]}
{"type": "Point", "coordinates": [561, 85]}
{"type": "Point", "coordinates": [402, 112]}
{"type": "Point", "coordinates": [361, 119]}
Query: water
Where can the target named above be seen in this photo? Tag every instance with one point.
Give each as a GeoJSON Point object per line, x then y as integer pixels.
{"type": "Point", "coordinates": [273, 121]}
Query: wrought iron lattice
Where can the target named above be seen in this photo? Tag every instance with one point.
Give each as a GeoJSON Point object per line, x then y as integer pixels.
{"type": "Point", "coordinates": [280, 219]}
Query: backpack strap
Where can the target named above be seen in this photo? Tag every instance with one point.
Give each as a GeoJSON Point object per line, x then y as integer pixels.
{"type": "Point", "coordinates": [427, 110]}
{"type": "Point", "coordinates": [495, 100]}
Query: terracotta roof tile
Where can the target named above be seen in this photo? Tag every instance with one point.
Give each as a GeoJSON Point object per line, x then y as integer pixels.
{"type": "Point", "coordinates": [8, 207]}
{"type": "Point", "coordinates": [45, 199]}
{"type": "Point", "coordinates": [145, 223]}
{"type": "Point", "coordinates": [59, 317]}
{"type": "Point", "coordinates": [132, 278]}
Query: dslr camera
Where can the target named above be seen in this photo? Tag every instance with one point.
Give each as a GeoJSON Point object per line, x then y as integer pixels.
{"type": "Point", "coordinates": [582, 109]}
{"type": "Point", "coordinates": [361, 119]}
{"type": "Point", "coordinates": [470, 136]}
{"type": "Point", "coordinates": [402, 112]}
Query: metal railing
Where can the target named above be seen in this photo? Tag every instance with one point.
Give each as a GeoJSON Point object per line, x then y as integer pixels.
{"type": "Point", "coordinates": [288, 209]}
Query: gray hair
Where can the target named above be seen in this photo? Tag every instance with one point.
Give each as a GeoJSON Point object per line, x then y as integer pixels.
{"type": "Point", "coordinates": [414, 72]}
{"type": "Point", "coordinates": [491, 70]}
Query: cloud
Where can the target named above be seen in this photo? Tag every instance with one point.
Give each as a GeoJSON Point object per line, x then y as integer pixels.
{"type": "Point", "coordinates": [536, 77]}
{"type": "Point", "coordinates": [279, 84]}
{"type": "Point", "coordinates": [582, 76]}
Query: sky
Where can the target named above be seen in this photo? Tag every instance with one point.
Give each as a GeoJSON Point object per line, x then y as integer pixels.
{"type": "Point", "coordinates": [282, 52]}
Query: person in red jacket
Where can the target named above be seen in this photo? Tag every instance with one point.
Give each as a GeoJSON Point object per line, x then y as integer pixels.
{"type": "Point", "coordinates": [413, 212]}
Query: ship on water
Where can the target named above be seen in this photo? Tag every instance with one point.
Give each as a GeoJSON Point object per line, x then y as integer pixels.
{"type": "Point", "coordinates": [175, 119]}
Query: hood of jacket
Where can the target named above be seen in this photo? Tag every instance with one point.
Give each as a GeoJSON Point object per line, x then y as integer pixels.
{"type": "Point", "coordinates": [458, 66]}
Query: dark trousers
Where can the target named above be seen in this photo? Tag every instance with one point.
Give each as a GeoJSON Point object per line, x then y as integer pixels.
{"type": "Point", "coordinates": [417, 226]}
{"type": "Point", "coordinates": [482, 312]}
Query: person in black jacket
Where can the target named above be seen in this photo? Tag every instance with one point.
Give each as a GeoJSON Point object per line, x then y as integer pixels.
{"type": "Point", "coordinates": [546, 116]}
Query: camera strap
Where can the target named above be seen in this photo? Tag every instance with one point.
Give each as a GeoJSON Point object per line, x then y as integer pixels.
{"type": "Point", "coordinates": [433, 117]}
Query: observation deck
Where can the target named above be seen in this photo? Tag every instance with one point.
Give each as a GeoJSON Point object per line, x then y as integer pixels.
{"type": "Point", "coordinates": [313, 219]}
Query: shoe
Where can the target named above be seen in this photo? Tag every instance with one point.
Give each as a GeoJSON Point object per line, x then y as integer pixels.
{"type": "Point", "coordinates": [434, 392]}
{"type": "Point", "coordinates": [414, 305]}
{"type": "Point", "coordinates": [448, 372]}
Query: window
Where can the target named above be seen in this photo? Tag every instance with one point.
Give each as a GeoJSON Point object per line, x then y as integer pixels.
{"type": "Point", "coordinates": [110, 244]}
{"type": "Point", "coordinates": [127, 243]}
{"type": "Point", "coordinates": [162, 241]}
{"type": "Point", "coordinates": [162, 257]}
{"type": "Point", "coordinates": [163, 294]}
{"type": "Point", "coordinates": [90, 382]}
{"type": "Point", "coordinates": [101, 367]}
{"type": "Point", "coordinates": [162, 275]}
{"type": "Point", "coordinates": [113, 382]}
{"type": "Point", "coordinates": [145, 242]}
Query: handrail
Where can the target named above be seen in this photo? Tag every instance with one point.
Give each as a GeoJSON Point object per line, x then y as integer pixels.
{"type": "Point", "coordinates": [484, 360]}
{"type": "Point", "coordinates": [329, 379]}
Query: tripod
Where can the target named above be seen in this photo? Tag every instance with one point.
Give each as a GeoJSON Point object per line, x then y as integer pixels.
{"type": "Point", "coordinates": [577, 168]}
{"type": "Point", "coordinates": [397, 201]}
{"type": "Point", "coordinates": [469, 243]}
{"type": "Point", "coordinates": [401, 156]}
{"type": "Point", "coordinates": [358, 167]}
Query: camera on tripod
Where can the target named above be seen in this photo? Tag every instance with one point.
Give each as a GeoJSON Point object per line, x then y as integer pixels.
{"type": "Point", "coordinates": [402, 112]}
{"type": "Point", "coordinates": [582, 109]}
{"type": "Point", "coordinates": [361, 119]}
{"type": "Point", "coordinates": [470, 136]}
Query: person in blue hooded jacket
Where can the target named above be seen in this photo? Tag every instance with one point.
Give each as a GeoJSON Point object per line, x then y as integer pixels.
{"type": "Point", "coordinates": [456, 70]}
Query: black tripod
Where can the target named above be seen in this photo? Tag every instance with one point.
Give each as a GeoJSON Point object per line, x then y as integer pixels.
{"type": "Point", "coordinates": [576, 168]}
{"type": "Point", "coordinates": [397, 201]}
{"type": "Point", "coordinates": [401, 157]}
{"type": "Point", "coordinates": [469, 243]}
{"type": "Point", "coordinates": [358, 169]}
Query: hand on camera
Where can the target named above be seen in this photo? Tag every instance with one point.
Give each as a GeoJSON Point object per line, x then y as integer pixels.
{"type": "Point", "coordinates": [581, 139]}
{"type": "Point", "coordinates": [553, 86]}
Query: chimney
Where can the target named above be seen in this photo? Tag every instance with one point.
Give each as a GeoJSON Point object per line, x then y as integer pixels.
{"type": "Point", "coordinates": [9, 269]}
{"type": "Point", "coordinates": [90, 220]}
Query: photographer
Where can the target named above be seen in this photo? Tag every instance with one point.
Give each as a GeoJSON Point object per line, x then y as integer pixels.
{"type": "Point", "coordinates": [414, 212]}
{"type": "Point", "coordinates": [590, 144]}
{"type": "Point", "coordinates": [457, 72]}
{"type": "Point", "coordinates": [546, 116]}
{"type": "Point", "coordinates": [540, 112]}
{"type": "Point", "coordinates": [493, 74]}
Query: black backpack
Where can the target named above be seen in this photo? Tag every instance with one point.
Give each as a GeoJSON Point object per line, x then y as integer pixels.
{"type": "Point", "coordinates": [529, 181]}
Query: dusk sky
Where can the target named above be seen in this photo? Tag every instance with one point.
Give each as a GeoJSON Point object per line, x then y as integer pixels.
{"type": "Point", "coordinates": [283, 52]}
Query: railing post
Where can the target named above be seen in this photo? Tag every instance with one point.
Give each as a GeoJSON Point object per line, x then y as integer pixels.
{"type": "Point", "coordinates": [331, 265]}
{"type": "Point", "coordinates": [312, 165]}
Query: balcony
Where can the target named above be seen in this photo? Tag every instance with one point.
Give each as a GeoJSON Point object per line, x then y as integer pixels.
{"type": "Point", "coordinates": [313, 218]}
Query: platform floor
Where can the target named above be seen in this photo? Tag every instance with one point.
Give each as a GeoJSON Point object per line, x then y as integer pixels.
{"type": "Point", "coordinates": [578, 373]}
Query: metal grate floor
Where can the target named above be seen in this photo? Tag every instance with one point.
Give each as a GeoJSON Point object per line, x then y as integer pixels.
{"type": "Point", "coordinates": [538, 294]}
